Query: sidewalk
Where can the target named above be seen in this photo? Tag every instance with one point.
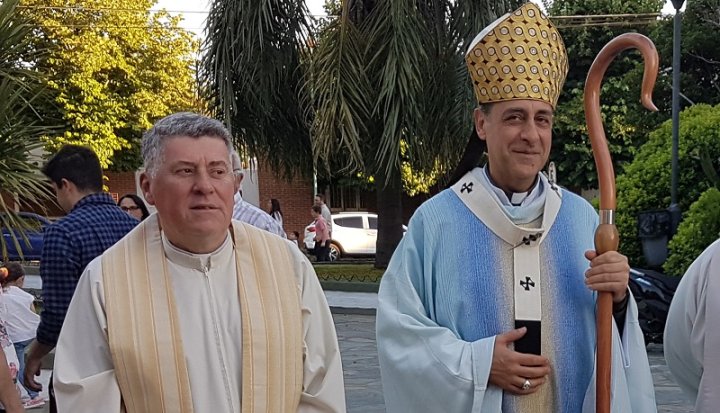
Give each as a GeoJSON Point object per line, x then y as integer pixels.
{"type": "Point", "coordinates": [343, 302]}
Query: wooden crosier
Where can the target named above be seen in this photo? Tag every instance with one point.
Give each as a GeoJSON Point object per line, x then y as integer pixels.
{"type": "Point", "coordinates": [606, 235]}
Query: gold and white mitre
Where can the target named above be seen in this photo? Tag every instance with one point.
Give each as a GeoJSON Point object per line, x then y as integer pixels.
{"type": "Point", "coordinates": [519, 56]}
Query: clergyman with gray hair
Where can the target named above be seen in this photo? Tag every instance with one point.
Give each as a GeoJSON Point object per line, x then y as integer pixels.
{"type": "Point", "coordinates": [193, 311]}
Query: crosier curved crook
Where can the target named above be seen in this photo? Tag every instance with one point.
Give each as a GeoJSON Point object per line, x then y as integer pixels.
{"type": "Point", "coordinates": [606, 235]}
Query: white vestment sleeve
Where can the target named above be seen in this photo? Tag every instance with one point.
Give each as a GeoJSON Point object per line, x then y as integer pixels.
{"type": "Point", "coordinates": [632, 384]}
{"type": "Point", "coordinates": [692, 331]}
{"type": "Point", "coordinates": [708, 398]}
{"type": "Point", "coordinates": [426, 367]}
{"type": "Point", "coordinates": [84, 377]}
{"type": "Point", "coordinates": [323, 385]}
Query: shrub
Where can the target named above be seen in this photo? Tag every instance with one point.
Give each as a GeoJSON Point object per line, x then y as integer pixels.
{"type": "Point", "coordinates": [645, 185]}
{"type": "Point", "coordinates": [700, 228]}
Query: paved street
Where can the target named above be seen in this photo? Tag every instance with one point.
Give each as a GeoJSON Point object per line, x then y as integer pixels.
{"type": "Point", "coordinates": [356, 334]}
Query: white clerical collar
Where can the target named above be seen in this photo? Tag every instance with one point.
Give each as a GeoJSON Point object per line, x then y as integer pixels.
{"type": "Point", "coordinates": [516, 198]}
{"type": "Point", "coordinates": [199, 262]}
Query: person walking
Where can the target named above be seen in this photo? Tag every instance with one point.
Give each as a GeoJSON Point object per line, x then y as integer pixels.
{"type": "Point", "coordinates": [21, 321]}
{"type": "Point", "coordinates": [322, 235]}
{"type": "Point", "coordinates": [327, 216]}
{"type": "Point", "coordinates": [93, 223]}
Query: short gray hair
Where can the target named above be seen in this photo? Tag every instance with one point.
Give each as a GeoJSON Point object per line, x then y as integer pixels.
{"type": "Point", "coordinates": [178, 125]}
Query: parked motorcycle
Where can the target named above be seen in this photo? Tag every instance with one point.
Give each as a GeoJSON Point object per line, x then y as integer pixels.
{"type": "Point", "coordinates": [653, 292]}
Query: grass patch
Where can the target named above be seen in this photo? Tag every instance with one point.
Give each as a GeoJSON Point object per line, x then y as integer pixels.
{"type": "Point", "coordinates": [349, 272]}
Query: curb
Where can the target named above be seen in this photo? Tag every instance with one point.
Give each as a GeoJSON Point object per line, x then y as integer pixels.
{"type": "Point", "coordinates": [350, 286]}
{"type": "Point", "coordinates": [353, 311]}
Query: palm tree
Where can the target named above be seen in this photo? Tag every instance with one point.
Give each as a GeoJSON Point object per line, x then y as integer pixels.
{"type": "Point", "coordinates": [21, 127]}
{"type": "Point", "coordinates": [380, 74]}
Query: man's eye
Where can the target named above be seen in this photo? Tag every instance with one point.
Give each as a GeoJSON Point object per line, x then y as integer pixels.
{"type": "Point", "coordinates": [218, 172]}
{"type": "Point", "coordinates": [185, 171]}
{"type": "Point", "coordinates": [544, 121]}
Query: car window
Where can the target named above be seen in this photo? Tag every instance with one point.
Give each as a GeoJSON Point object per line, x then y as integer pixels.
{"type": "Point", "coordinates": [372, 222]}
{"type": "Point", "coordinates": [349, 222]}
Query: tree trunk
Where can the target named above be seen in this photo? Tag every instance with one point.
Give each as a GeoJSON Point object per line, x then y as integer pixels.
{"type": "Point", "coordinates": [389, 205]}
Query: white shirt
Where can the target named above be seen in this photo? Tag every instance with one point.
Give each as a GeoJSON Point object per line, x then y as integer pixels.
{"type": "Point", "coordinates": [20, 320]}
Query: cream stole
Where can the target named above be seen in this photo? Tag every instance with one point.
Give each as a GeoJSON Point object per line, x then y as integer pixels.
{"type": "Point", "coordinates": [143, 325]}
{"type": "Point", "coordinates": [527, 284]}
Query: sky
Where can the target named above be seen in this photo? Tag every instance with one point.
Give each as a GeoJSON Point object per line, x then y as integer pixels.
{"type": "Point", "coordinates": [195, 11]}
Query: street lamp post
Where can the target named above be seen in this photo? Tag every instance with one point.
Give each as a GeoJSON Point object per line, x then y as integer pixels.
{"type": "Point", "coordinates": [674, 209]}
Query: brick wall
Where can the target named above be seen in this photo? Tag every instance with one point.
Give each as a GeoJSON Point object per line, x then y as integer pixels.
{"type": "Point", "coordinates": [120, 183]}
{"type": "Point", "coordinates": [295, 196]}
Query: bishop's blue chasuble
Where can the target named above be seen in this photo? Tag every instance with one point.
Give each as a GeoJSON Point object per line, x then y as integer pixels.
{"type": "Point", "coordinates": [465, 273]}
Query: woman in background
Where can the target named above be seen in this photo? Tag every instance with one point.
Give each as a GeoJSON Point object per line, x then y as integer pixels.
{"type": "Point", "coordinates": [275, 211]}
{"type": "Point", "coordinates": [134, 205]}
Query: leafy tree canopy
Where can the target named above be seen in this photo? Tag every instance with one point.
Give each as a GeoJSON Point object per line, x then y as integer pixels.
{"type": "Point", "coordinates": [700, 50]}
{"type": "Point", "coordinates": [627, 123]}
{"type": "Point", "coordinates": [115, 69]}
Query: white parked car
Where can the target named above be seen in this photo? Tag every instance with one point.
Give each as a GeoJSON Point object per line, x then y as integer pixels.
{"type": "Point", "coordinates": [353, 233]}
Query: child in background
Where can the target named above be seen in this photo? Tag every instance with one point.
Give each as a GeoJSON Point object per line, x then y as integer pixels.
{"type": "Point", "coordinates": [21, 320]}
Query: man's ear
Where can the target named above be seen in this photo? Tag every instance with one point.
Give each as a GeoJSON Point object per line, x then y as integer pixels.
{"type": "Point", "coordinates": [66, 184]}
{"type": "Point", "coordinates": [145, 188]}
{"type": "Point", "coordinates": [479, 117]}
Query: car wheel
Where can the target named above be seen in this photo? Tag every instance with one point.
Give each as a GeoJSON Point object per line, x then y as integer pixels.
{"type": "Point", "coordinates": [334, 252]}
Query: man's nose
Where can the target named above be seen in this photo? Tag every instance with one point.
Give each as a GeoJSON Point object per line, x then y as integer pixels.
{"type": "Point", "coordinates": [531, 132]}
{"type": "Point", "coordinates": [203, 183]}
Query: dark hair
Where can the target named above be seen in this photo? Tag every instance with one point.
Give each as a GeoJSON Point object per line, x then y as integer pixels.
{"type": "Point", "coordinates": [321, 196]}
{"type": "Point", "coordinates": [275, 206]}
{"type": "Point", "coordinates": [14, 272]}
{"type": "Point", "coordinates": [297, 235]}
{"type": "Point", "coordinates": [317, 209]}
{"type": "Point", "coordinates": [77, 164]}
{"type": "Point", "coordinates": [474, 151]}
{"type": "Point", "coordinates": [139, 202]}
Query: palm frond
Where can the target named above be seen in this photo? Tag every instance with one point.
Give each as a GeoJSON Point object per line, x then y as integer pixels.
{"type": "Point", "coordinates": [396, 56]}
{"type": "Point", "coordinates": [251, 72]}
{"type": "Point", "coordinates": [341, 92]}
{"type": "Point", "coordinates": [21, 128]}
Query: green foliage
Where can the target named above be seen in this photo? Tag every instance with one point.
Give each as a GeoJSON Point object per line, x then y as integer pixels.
{"type": "Point", "coordinates": [700, 50]}
{"type": "Point", "coordinates": [115, 69]}
{"type": "Point", "coordinates": [21, 87]}
{"type": "Point", "coordinates": [627, 123]}
{"type": "Point", "coordinates": [381, 73]}
{"type": "Point", "coordinates": [645, 185]}
{"type": "Point", "coordinates": [699, 228]}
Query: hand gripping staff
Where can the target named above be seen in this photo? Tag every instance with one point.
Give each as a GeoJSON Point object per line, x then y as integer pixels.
{"type": "Point", "coordinates": [606, 235]}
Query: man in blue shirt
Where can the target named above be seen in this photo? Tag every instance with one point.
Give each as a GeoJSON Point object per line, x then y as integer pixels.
{"type": "Point", "coordinates": [93, 224]}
